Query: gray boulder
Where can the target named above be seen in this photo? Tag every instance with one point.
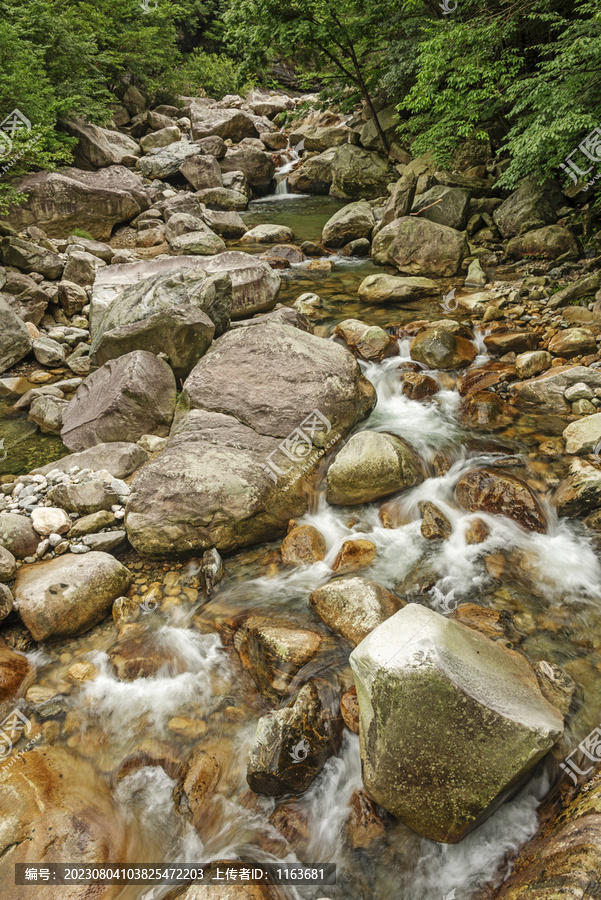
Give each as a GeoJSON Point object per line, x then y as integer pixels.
{"type": "Point", "coordinates": [384, 289]}
{"type": "Point", "coordinates": [58, 202]}
{"type": "Point", "coordinates": [257, 166]}
{"type": "Point", "coordinates": [48, 352]}
{"type": "Point", "coordinates": [17, 535]}
{"type": "Point", "coordinates": [426, 686]}
{"type": "Point", "coordinates": [548, 242]}
{"type": "Point", "coordinates": [372, 465]}
{"type": "Point", "coordinates": [314, 175]}
{"type": "Point", "coordinates": [68, 595]}
{"type": "Point", "coordinates": [47, 413]}
{"type": "Point", "coordinates": [348, 224]}
{"type": "Point", "coordinates": [202, 172]}
{"type": "Point", "coordinates": [166, 161]}
{"type": "Point", "coordinates": [354, 606]}
{"type": "Point", "coordinates": [360, 174]}
{"type": "Point", "coordinates": [389, 121]}
{"type": "Point", "coordinates": [417, 246]}
{"type": "Point", "coordinates": [451, 205]}
{"type": "Point", "coordinates": [15, 341]}
{"type": "Point", "coordinates": [99, 147]}
{"type": "Point", "coordinates": [81, 267]}
{"type": "Point", "coordinates": [230, 473]}
{"type": "Point", "coordinates": [119, 458]}
{"type": "Point", "coordinates": [121, 401]}
{"type": "Point", "coordinates": [202, 242]}
{"type": "Point", "coordinates": [163, 137]}
{"type": "Point", "coordinates": [531, 206]}
{"type": "Point", "coordinates": [30, 257]}
{"type": "Point", "coordinates": [225, 123]}
{"type": "Point", "coordinates": [255, 285]}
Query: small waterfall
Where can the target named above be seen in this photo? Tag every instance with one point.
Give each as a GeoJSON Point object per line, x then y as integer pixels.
{"type": "Point", "coordinates": [282, 187]}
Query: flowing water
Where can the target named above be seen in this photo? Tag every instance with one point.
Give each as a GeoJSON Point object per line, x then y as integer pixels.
{"type": "Point", "coordinates": [550, 583]}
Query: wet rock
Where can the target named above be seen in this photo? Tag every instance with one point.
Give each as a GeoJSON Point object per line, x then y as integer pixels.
{"type": "Point", "coordinates": [59, 202]}
{"type": "Point", "coordinates": [580, 491]}
{"type": "Point", "coordinates": [372, 465]}
{"type": "Point", "coordinates": [124, 399]}
{"type": "Point", "coordinates": [418, 386]}
{"type": "Point", "coordinates": [546, 391]}
{"type": "Point", "coordinates": [475, 275]}
{"type": "Point", "coordinates": [494, 491]}
{"type": "Point", "coordinates": [275, 652]}
{"type": "Point", "coordinates": [530, 206]}
{"type": "Point", "coordinates": [368, 342]}
{"type": "Point", "coordinates": [548, 243]}
{"type": "Point", "coordinates": [447, 206]}
{"type": "Point", "coordinates": [476, 532]}
{"type": "Point", "coordinates": [47, 520]}
{"type": "Point", "coordinates": [213, 485]}
{"type": "Point", "coordinates": [439, 348]}
{"type": "Point", "coordinates": [197, 782]}
{"type": "Point", "coordinates": [533, 362]}
{"type": "Point", "coordinates": [15, 341]}
{"type": "Point", "coordinates": [564, 856]}
{"type": "Point", "coordinates": [489, 622]}
{"type": "Point", "coordinates": [291, 820]}
{"type": "Point", "coordinates": [120, 458]}
{"type": "Point", "coordinates": [354, 555]}
{"type": "Point", "coordinates": [573, 342]}
{"type": "Point", "coordinates": [366, 823]}
{"type": "Point", "coordinates": [229, 891]}
{"type": "Point", "coordinates": [385, 289]}
{"type": "Point", "coordinates": [53, 802]}
{"type": "Point", "coordinates": [489, 375]}
{"type": "Point", "coordinates": [8, 566]}
{"type": "Point", "coordinates": [303, 545]}
{"type": "Point", "coordinates": [349, 710]}
{"type": "Point", "coordinates": [16, 674]}
{"type": "Point", "coordinates": [419, 247]}
{"type": "Point", "coordinates": [293, 744]}
{"type": "Point", "coordinates": [17, 535]}
{"type": "Point", "coordinates": [267, 234]}
{"type": "Point", "coordinates": [486, 410]}
{"type": "Point", "coordinates": [501, 342]}
{"type": "Point", "coordinates": [348, 224]}
{"type": "Point", "coordinates": [583, 436]}
{"type": "Point", "coordinates": [435, 525]}
{"type": "Point", "coordinates": [556, 685]}
{"type": "Point", "coordinates": [137, 655]}
{"type": "Point", "coordinates": [421, 768]}
{"type": "Point", "coordinates": [354, 606]}
{"type": "Point", "coordinates": [69, 594]}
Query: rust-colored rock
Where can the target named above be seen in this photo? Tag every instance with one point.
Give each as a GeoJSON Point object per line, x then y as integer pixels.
{"type": "Point", "coordinates": [418, 386]}
{"type": "Point", "coordinates": [302, 546]}
{"type": "Point", "coordinates": [366, 823]}
{"type": "Point", "coordinates": [354, 555]}
{"type": "Point", "coordinates": [16, 674]}
{"type": "Point", "coordinates": [435, 525]}
{"type": "Point", "coordinates": [292, 822]}
{"type": "Point", "coordinates": [486, 410]}
{"type": "Point", "coordinates": [476, 532]}
{"type": "Point", "coordinates": [500, 342]}
{"type": "Point", "coordinates": [198, 780]}
{"type": "Point", "coordinates": [349, 708]}
{"type": "Point", "coordinates": [483, 377]}
{"type": "Point", "coordinates": [493, 491]}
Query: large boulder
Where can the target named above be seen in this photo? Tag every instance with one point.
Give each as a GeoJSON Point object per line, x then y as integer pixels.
{"type": "Point", "coordinates": [121, 401]}
{"type": "Point", "coordinates": [314, 175]}
{"type": "Point", "coordinates": [231, 472]}
{"type": "Point", "coordinates": [584, 435]}
{"type": "Point", "coordinates": [202, 242]}
{"type": "Point", "coordinates": [498, 492]}
{"type": "Point", "coordinates": [401, 199]}
{"type": "Point", "coordinates": [372, 465]}
{"type": "Point", "coordinates": [383, 289]}
{"type": "Point", "coordinates": [571, 342]}
{"type": "Point", "coordinates": [17, 535]}
{"type": "Point", "coordinates": [166, 161]}
{"type": "Point", "coordinates": [69, 594]}
{"type": "Point", "coordinates": [444, 205]}
{"type": "Point", "coordinates": [15, 340]}
{"type": "Point", "coordinates": [318, 138]}
{"type": "Point", "coordinates": [282, 760]}
{"type": "Point", "coordinates": [353, 606]}
{"type": "Point", "coordinates": [258, 167]}
{"type": "Point", "coordinates": [389, 121]}
{"type": "Point", "coordinates": [30, 257]}
{"type": "Point", "coordinates": [531, 206]}
{"type": "Point", "coordinates": [255, 285]}
{"type": "Point", "coordinates": [98, 147]}
{"type": "Point", "coordinates": [546, 391]}
{"type": "Point", "coordinates": [53, 805]}
{"type": "Point", "coordinates": [427, 687]}
{"type": "Point", "coordinates": [359, 174]}
{"type": "Point", "coordinates": [162, 137]}
{"type": "Point", "coordinates": [162, 293]}
{"type": "Point", "coordinates": [348, 224]}
{"type": "Point", "coordinates": [234, 124]}
{"type": "Point", "coordinates": [417, 246]}
{"type": "Point", "coordinates": [548, 242]}
{"type": "Point", "coordinates": [59, 202]}
{"type": "Point", "coordinates": [202, 172]}
{"type": "Point", "coordinates": [580, 491]}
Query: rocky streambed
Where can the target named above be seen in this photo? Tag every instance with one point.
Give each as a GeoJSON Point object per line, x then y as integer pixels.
{"type": "Point", "coordinates": [299, 553]}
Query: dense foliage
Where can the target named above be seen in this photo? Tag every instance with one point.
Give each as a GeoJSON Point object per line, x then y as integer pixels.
{"type": "Point", "coordinates": [525, 73]}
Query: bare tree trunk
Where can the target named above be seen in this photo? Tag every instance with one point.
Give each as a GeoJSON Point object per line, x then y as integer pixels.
{"type": "Point", "coordinates": [368, 99]}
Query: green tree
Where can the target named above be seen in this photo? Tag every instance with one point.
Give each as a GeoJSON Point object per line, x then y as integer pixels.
{"type": "Point", "coordinates": [342, 41]}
